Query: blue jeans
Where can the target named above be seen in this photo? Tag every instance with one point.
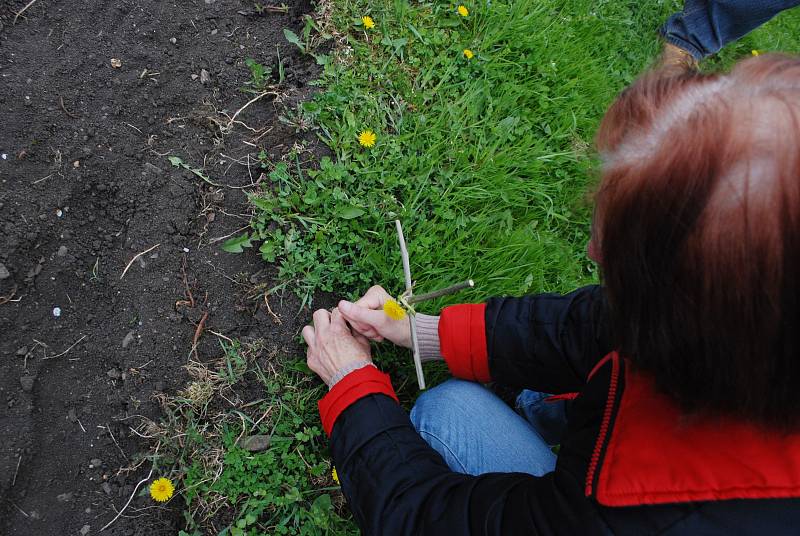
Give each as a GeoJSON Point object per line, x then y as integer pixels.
{"type": "Point", "coordinates": [705, 26]}
{"type": "Point", "coordinates": [476, 432]}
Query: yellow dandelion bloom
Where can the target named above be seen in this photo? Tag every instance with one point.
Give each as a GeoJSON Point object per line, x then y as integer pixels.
{"type": "Point", "coordinates": [468, 54]}
{"type": "Point", "coordinates": [367, 138]}
{"type": "Point", "coordinates": [335, 475]}
{"type": "Point", "coordinates": [161, 490]}
{"type": "Point", "coordinates": [463, 11]}
{"type": "Point", "coordinates": [755, 52]}
{"type": "Point", "coordinates": [394, 310]}
{"type": "Point", "coordinates": [367, 21]}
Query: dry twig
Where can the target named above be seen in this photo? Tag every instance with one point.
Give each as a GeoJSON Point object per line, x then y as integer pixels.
{"type": "Point", "coordinates": [65, 351]}
{"type": "Point", "coordinates": [135, 489]}
{"type": "Point", "coordinates": [5, 299]}
{"type": "Point", "coordinates": [199, 331]}
{"type": "Point", "coordinates": [232, 120]}
{"type": "Point", "coordinates": [441, 292]}
{"type": "Point", "coordinates": [136, 257]}
{"type": "Point", "coordinates": [23, 10]}
{"type": "Point", "coordinates": [407, 275]}
{"type": "Point", "coordinates": [61, 100]}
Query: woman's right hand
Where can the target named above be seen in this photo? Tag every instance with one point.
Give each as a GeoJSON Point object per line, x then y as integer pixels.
{"type": "Point", "coordinates": [366, 317]}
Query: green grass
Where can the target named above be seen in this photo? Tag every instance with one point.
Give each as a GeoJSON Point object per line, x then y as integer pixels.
{"type": "Point", "coordinates": [487, 163]}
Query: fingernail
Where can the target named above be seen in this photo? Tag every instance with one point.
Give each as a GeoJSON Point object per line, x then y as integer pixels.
{"type": "Point", "coordinates": [345, 305]}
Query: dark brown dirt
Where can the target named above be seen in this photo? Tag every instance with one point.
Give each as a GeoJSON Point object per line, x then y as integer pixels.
{"type": "Point", "coordinates": [85, 185]}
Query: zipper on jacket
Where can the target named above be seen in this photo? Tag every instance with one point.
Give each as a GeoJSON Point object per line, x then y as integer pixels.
{"type": "Point", "coordinates": [601, 437]}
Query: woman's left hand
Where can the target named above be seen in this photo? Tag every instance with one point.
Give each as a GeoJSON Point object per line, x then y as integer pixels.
{"type": "Point", "coordinates": [332, 345]}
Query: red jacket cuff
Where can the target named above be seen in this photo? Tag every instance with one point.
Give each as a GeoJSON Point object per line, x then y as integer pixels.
{"type": "Point", "coordinates": [462, 335]}
{"type": "Point", "coordinates": [356, 385]}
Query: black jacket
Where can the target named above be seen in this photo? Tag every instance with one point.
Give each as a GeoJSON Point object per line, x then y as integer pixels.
{"type": "Point", "coordinates": [396, 484]}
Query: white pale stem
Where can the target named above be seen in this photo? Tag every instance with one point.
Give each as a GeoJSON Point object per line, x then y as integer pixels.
{"type": "Point", "coordinates": [412, 320]}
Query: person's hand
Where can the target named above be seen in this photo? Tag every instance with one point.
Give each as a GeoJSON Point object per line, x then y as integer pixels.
{"type": "Point", "coordinates": [366, 317]}
{"type": "Point", "coordinates": [332, 346]}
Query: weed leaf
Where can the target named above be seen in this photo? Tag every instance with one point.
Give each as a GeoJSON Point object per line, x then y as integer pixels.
{"type": "Point", "coordinates": [237, 244]}
{"type": "Point", "coordinates": [293, 38]}
{"type": "Point", "coordinates": [350, 212]}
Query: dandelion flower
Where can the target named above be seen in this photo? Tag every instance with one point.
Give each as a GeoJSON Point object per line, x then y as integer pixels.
{"type": "Point", "coordinates": [335, 475]}
{"type": "Point", "coordinates": [394, 310]}
{"type": "Point", "coordinates": [367, 21]}
{"type": "Point", "coordinates": [463, 11]}
{"type": "Point", "coordinates": [367, 138]}
{"type": "Point", "coordinates": [755, 52]}
{"type": "Point", "coordinates": [161, 490]}
{"type": "Point", "coordinates": [468, 54]}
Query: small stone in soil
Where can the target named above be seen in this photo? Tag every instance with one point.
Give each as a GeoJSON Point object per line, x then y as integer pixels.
{"type": "Point", "coordinates": [62, 251]}
{"type": "Point", "coordinates": [64, 497]}
{"type": "Point", "coordinates": [22, 351]}
{"type": "Point", "coordinates": [56, 311]}
{"type": "Point", "coordinates": [256, 443]}
{"type": "Point", "coordinates": [95, 463]}
{"type": "Point", "coordinates": [114, 374]}
{"type": "Point", "coordinates": [128, 339]}
{"type": "Point", "coordinates": [85, 530]}
{"type": "Point", "coordinates": [205, 77]}
{"type": "Point", "coordinates": [27, 382]}
{"type": "Point", "coordinates": [4, 273]}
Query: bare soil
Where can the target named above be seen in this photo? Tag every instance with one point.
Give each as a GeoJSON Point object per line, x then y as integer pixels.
{"type": "Point", "coordinates": [85, 186]}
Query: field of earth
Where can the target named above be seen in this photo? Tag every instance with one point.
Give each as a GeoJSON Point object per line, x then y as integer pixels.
{"type": "Point", "coordinates": [96, 96]}
{"type": "Point", "coordinates": [182, 182]}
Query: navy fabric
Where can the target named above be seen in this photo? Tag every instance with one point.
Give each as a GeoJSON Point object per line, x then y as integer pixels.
{"type": "Point", "coordinates": [705, 26]}
{"type": "Point", "coordinates": [396, 484]}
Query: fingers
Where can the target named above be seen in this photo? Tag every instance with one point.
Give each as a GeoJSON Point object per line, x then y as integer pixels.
{"type": "Point", "coordinates": [338, 322]}
{"type": "Point", "coordinates": [322, 320]}
{"type": "Point", "coordinates": [309, 335]}
{"type": "Point", "coordinates": [362, 340]}
{"type": "Point", "coordinates": [374, 298]}
{"type": "Point", "coordinates": [363, 320]}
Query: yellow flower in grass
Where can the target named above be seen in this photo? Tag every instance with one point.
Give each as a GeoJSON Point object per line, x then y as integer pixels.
{"type": "Point", "coordinates": [367, 21]}
{"type": "Point", "coordinates": [367, 138]}
{"type": "Point", "coordinates": [335, 475]}
{"type": "Point", "coordinates": [394, 310]}
{"type": "Point", "coordinates": [755, 52]}
{"type": "Point", "coordinates": [161, 490]}
{"type": "Point", "coordinates": [468, 54]}
{"type": "Point", "coordinates": [463, 11]}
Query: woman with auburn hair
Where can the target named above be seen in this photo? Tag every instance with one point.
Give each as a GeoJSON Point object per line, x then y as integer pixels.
{"type": "Point", "coordinates": [675, 404]}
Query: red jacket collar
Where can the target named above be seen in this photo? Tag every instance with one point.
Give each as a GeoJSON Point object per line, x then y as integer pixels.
{"type": "Point", "coordinates": [655, 455]}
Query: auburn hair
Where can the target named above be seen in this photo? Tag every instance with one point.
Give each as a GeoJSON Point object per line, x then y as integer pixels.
{"type": "Point", "coordinates": [698, 225]}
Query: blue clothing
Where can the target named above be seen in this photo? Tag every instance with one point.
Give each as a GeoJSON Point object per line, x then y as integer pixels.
{"type": "Point", "coordinates": [476, 432]}
{"type": "Point", "coordinates": [705, 26]}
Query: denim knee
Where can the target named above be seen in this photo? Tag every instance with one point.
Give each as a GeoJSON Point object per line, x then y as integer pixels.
{"type": "Point", "coordinates": [444, 399]}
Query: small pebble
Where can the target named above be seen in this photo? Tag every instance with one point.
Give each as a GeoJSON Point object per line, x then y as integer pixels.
{"type": "Point", "coordinates": [27, 382]}
{"type": "Point", "coordinates": [85, 530]}
{"type": "Point", "coordinates": [56, 311]}
{"type": "Point", "coordinates": [173, 40]}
